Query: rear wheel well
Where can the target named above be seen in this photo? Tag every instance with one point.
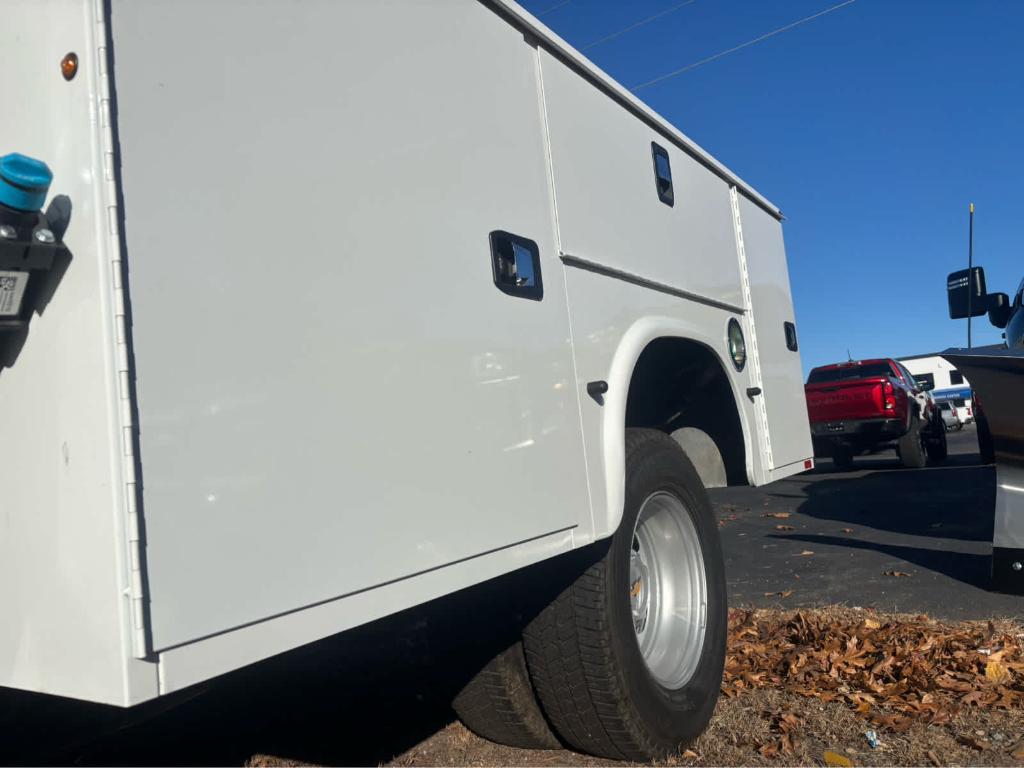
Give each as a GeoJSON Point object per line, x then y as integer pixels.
{"type": "Point", "coordinates": [679, 383]}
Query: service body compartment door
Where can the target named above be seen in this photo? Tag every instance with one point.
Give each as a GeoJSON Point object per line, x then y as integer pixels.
{"type": "Point", "coordinates": [333, 393]}
{"type": "Point", "coordinates": [789, 436]}
{"type": "Point", "coordinates": [609, 209]}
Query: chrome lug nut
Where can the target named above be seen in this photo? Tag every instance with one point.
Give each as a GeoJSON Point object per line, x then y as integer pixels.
{"type": "Point", "coordinates": [1016, 565]}
{"type": "Point", "coordinates": [7, 232]}
{"type": "Point", "coordinates": [45, 236]}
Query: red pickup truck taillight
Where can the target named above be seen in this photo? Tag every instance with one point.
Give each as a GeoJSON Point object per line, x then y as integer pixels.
{"type": "Point", "coordinates": [888, 396]}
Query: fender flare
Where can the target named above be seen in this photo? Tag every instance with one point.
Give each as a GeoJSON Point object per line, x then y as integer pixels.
{"type": "Point", "coordinates": [613, 428]}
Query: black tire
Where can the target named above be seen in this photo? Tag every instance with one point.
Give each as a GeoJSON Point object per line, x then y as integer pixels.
{"type": "Point", "coordinates": [986, 448]}
{"type": "Point", "coordinates": [499, 704]}
{"type": "Point", "coordinates": [936, 445]}
{"type": "Point", "coordinates": [582, 650]}
{"type": "Point", "coordinates": [842, 457]}
{"type": "Point", "coordinates": [911, 447]}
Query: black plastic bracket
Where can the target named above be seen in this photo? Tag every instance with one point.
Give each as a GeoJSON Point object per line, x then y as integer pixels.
{"type": "Point", "coordinates": [597, 390]}
{"type": "Point", "coordinates": [33, 249]}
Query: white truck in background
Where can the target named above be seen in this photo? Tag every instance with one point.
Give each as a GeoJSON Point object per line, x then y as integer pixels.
{"type": "Point", "coordinates": [332, 309]}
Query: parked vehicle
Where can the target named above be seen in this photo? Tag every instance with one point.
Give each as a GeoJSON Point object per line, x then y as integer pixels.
{"type": "Point", "coordinates": [997, 375]}
{"type": "Point", "coordinates": [861, 405]}
{"type": "Point", "coordinates": [952, 416]}
{"type": "Point", "coordinates": [366, 364]}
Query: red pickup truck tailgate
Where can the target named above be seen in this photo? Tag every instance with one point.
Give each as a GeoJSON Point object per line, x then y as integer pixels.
{"type": "Point", "coordinates": [846, 400]}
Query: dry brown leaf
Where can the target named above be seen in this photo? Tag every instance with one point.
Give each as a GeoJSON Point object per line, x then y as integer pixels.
{"type": "Point", "coordinates": [846, 530]}
{"type": "Point", "coordinates": [974, 742]}
{"type": "Point", "coordinates": [690, 755]}
{"type": "Point", "coordinates": [1018, 753]}
{"type": "Point", "coordinates": [897, 574]}
{"type": "Point", "coordinates": [771, 749]}
{"type": "Point", "coordinates": [951, 684]}
{"type": "Point", "coordinates": [778, 515]}
{"type": "Point", "coordinates": [834, 758]}
{"type": "Point", "coordinates": [997, 673]}
{"type": "Point", "coordinates": [784, 528]}
{"type": "Point", "coordinates": [893, 673]}
{"type": "Point", "coordinates": [805, 553]}
{"type": "Point", "coordinates": [934, 758]}
{"type": "Point", "coordinates": [786, 593]}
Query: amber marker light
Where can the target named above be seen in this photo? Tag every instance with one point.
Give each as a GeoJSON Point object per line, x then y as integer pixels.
{"type": "Point", "coordinates": [69, 66]}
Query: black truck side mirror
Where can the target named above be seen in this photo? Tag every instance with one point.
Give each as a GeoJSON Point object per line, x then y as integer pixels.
{"type": "Point", "coordinates": [999, 309]}
{"type": "Point", "coordinates": [966, 292]}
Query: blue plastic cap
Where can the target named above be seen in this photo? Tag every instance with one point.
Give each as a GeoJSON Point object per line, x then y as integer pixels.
{"type": "Point", "coordinates": [24, 182]}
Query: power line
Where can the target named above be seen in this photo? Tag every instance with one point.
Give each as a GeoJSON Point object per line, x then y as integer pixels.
{"type": "Point", "coordinates": [765, 36]}
{"type": "Point", "coordinates": [554, 7]}
{"type": "Point", "coordinates": [640, 23]}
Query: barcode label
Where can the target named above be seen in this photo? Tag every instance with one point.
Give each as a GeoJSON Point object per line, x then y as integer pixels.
{"type": "Point", "coordinates": [12, 288]}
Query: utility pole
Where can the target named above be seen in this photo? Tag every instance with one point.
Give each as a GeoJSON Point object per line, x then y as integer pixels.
{"type": "Point", "coordinates": [970, 273]}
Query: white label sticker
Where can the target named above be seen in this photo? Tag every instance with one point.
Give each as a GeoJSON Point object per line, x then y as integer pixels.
{"type": "Point", "coordinates": [12, 288]}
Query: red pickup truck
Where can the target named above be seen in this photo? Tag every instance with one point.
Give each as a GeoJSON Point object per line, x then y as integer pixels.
{"type": "Point", "coordinates": [864, 404]}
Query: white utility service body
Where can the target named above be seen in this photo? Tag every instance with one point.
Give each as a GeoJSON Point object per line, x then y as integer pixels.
{"type": "Point", "coordinates": [276, 393]}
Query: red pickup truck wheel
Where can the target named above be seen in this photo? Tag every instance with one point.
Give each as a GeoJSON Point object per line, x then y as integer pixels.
{"type": "Point", "coordinates": [936, 445]}
{"type": "Point", "coordinates": [911, 448]}
{"type": "Point", "coordinates": [842, 457]}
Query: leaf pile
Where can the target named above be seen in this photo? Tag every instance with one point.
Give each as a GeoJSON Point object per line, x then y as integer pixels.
{"type": "Point", "coordinates": [892, 672]}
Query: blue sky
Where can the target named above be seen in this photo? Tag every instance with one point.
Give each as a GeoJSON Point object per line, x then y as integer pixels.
{"type": "Point", "coordinates": [871, 128]}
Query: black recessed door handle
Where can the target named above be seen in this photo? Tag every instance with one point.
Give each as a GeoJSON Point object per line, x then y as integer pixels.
{"type": "Point", "coordinates": [515, 262]}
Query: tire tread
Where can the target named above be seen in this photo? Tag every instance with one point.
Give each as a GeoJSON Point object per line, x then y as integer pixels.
{"type": "Point", "coordinates": [499, 704]}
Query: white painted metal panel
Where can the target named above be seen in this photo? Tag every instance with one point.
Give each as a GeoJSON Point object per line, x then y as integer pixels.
{"type": "Point", "coordinates": [613, 321]}
{"type": "Point", "coordinates": [626, 98]}
{"type": "Point", "coordinates": [63, 576]}
{"type": "Point", "coordinates": [333, 394]}
{"type": "Point", "coordinates": [192, 663]}
{"type": "Point", "coordinates": [781, 373]}
{"type": "Point", "coordinates": [608, 208]}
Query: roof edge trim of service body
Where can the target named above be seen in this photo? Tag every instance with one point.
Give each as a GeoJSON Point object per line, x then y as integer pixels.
{"type": "Point", "coordinates": [521, 18]}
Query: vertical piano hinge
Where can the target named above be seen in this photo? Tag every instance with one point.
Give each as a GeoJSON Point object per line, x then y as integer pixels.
{"type": "Point", "coordinates": [764, 435]}
{"type": "Point", "coordinates": [111, 218]}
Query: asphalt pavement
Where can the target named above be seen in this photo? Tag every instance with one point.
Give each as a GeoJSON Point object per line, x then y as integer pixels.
{"type": "Point", "coordinates": [878, 535]}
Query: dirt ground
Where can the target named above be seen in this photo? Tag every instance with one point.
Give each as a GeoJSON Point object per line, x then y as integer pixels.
{"type": "Point", "coordinates": [782, 708]}
{"type": "Point", "coordinates": [742, 723]}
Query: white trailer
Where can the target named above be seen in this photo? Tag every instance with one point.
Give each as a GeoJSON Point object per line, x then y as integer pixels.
{"type": "Point", "coordinates": [364, 303]}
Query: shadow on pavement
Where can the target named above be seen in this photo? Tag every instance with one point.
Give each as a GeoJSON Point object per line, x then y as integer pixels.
{"type": "Point", "coordinates": [968, 568]}
{"type": "Point", "coordinates": [954, 501]}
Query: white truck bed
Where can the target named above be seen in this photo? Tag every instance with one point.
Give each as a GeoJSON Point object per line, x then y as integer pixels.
{"type": "Point", "coordinates": [276, 393]}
